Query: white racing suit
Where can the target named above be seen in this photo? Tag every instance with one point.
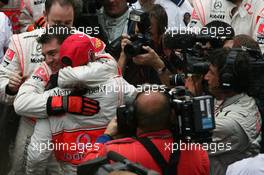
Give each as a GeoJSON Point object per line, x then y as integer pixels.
{"type": "Point", "coordinates": [31, 10]}
{"type": "Point", "coordinates": [249, 18]}
{"type": "Point", "coordinates": [103, 84]}
{"type": "Point", "coordinates": [23, 56]}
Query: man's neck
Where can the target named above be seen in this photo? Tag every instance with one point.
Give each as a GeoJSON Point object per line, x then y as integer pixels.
{"type": "Point", "coordinates": [237, 3]}
{"type": "Point", "coordinates": [225, 95]}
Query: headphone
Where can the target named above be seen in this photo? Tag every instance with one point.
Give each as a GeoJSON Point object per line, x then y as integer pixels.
{"type": "Point", "coordinates": [229, 74]}
{"type": "Point", "coordinates": [127, 120]}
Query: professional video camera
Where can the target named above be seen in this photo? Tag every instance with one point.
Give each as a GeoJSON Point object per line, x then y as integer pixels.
{"type": "Point", "coordinates": [138, 19]}
{"type": "Point", "coordinates": [100, 166]}
{"type": "Point", "coordinates": [194, 115]}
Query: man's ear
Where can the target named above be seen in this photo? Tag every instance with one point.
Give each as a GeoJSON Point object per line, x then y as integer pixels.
{"type": "Point", "coordinates": [92, 57]}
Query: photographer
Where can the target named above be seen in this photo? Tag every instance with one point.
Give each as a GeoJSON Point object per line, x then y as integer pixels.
{"type": "Point", "coordinates": [237, 117]}
{"type": "Point", "coordinates": [148, 67]}
{"type": "Point", "coordinates": [113, 18]}
{"type": "Point", "coordinates": [153, 123]}
{"type": "Point", "coordinates": [247, 42]}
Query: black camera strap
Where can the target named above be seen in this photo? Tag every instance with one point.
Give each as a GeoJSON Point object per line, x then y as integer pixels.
{"type": "Point", "coordinates": [167, 168]}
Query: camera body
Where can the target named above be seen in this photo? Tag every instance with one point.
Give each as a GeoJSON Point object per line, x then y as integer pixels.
{"type": "Point", "coordinates": [194, 115]}
{"type": "Point", "coordinates": [135, 48]}
{"type": "Point", "coordinates": [127, 166]}
{"type": "Point", "coordinates": [138, 28]}
{"type": "Point", "coordinates": [102, 166]}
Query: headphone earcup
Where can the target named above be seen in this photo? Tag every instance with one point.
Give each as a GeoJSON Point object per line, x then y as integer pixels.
{"type": "Point", "coordinates": [227, 81]}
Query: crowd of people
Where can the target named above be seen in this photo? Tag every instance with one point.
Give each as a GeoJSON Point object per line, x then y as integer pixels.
{"type": "Point", "coordinates": [82, 79]}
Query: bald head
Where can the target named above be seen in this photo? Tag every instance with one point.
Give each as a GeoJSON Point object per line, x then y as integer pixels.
{"type": "Point", "coordinates": [152, 111]}
{"type": "Point", "coordinates": [121, 173]}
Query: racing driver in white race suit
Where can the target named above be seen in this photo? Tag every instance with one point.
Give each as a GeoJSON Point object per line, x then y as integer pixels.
{"type": "Point", "coordinates": [245, 16]}
{"type": "Point", "coordinates": [20, 60]}
{"type": "Point", "coordinates": [30, 11]}
{"type": "Point", "coordinates": [104, 84]}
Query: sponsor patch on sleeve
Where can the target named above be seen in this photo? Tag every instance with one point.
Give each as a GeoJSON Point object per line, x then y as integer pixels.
{"type": "Point", "coordinates": [260, 31]}
{"type": "Point", "coordinates": [98, 44]}
{"type": "Point", "coordinates": [40, 74]}
{"type": "Point", "coordinates": [194, 15]}
{"type": "Point", "coordinates": [9, 54]}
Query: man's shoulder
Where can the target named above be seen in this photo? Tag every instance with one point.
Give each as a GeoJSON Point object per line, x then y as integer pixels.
{"type": "Point", "coordinates": [127, 140]}
{"type": "Point", "coordinates": [162, 135]}
{"type": "Point", "coordinates": [4, 23]}
{"type": "Point", "coordinates": [32, 35]}
{"type": "Point", "coordinates": [28, 36]}
{"type": "Point", "coordinates": [2, 16]}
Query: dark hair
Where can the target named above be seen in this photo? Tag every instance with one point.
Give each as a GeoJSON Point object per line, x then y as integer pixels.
{"type": "Point", "coordinates": [218, 29]}
{"type": "Point", "coordinates": [245, 41]}
{"type": "Point", "coordinates": [159, 13]}
{"type": "Point", "coordinates": [49, 3]}
{"type": "Point", "coordinates": [58, 32]}
{"type": "Point", "coordinates": [156, 119]}
{"type": "Point", "coordinates": [239, 68]}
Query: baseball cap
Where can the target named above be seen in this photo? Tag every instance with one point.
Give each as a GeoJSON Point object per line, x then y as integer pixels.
{"type": "Point", "coordinates": [76, 50]}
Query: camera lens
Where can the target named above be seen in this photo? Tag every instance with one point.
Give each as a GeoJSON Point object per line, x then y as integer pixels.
{"type": "Point", "coordinates": [132, 50]}
{"type": "Point", "coordinates": [200, 68]}
{"type": "Point", "coordinates": [177, 80]}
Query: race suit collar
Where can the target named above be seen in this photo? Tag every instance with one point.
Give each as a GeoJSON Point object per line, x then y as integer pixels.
{"type": "Point", "coordinates": [232, 100]}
